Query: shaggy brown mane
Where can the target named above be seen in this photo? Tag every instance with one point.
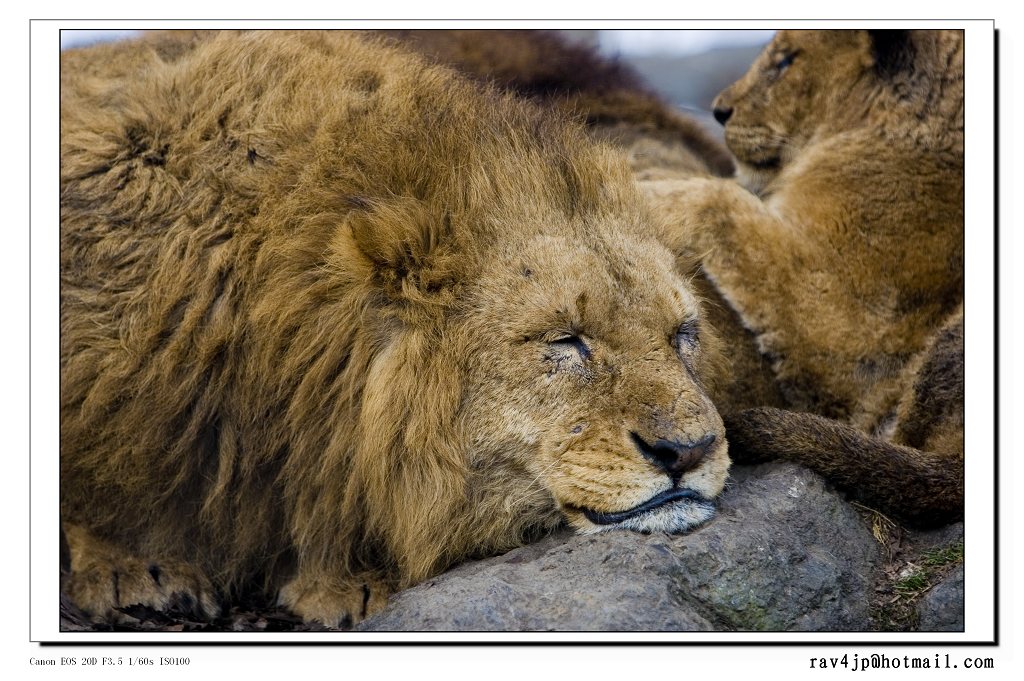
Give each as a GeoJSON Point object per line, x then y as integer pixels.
{"type": "Point", "coordinates": [221, 255]}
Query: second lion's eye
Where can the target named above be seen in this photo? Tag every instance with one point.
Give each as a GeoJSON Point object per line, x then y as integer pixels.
{"type": "Point", "coordinates": [569, 341]}
{"type": "Point", "coordinates": [687, 335]}
{"type": "Point", "coordinates": [783, 63]}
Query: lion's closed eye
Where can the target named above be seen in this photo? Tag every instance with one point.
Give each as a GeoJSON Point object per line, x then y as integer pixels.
{"type": "Point", "coordinates": [571, 343]}
{"type": "Point", "coordinates": [687, 336]}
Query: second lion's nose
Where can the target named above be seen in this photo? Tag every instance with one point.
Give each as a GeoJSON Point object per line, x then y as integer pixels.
{"type": "Point", "coordinates": [673, 456]}
{"type": "Point", "coordinates": [722, 113]}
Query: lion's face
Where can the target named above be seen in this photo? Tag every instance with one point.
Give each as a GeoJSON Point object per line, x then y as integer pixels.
{"type": "Point", "coordinates": [587, 379]}
{"type": "Point", "coordinates": [793, 90]}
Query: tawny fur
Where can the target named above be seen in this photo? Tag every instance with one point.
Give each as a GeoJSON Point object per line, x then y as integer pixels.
{"type": "Point", "coordinates": [333, 319]}
{"type": "Point", "coordinates": [845, 256]}
{"type": "Point", "coordinates": [916, 473]}
{"type": "Point", "coordinates": [609, 96]}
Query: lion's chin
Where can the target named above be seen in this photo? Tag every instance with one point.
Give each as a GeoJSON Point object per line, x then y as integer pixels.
{"type": "Point", "coordinates": [755, 178]}
{"type": "Point", "coordinates": [673, 511]}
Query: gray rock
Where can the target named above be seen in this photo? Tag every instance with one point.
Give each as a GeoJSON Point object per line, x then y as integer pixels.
{"type": "Point", "coordinates": [785, 552]}
{"type": "Point", "coordinates": [942, 608]}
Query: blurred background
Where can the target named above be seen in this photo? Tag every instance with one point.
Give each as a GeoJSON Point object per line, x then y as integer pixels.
{"type": "Point", "coordinates": [688, 67]}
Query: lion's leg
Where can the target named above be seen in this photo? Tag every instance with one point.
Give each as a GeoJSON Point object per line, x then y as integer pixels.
{"type": "Point", "coordinates": [334, 603]}
{"type": "Point", "coordinates": [105, 578]}
{"type": "Point", "coordinates": [743, 246]}
{"type": "Point", "coordinates": [779, 283]}
{"type": "Point", "coordinates": [931, 411]}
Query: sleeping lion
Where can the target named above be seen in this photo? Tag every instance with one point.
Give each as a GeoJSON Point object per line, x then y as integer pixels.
{"type": "Point", "coordinates": [333, 319]}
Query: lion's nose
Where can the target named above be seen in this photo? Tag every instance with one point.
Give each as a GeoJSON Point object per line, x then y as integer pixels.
{"type": "Point", "coordinates": [672, 456]}
{"type": "Point", "coordinates": [722, 113]}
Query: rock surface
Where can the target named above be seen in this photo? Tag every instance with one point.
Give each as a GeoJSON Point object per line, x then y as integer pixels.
{"type": "Point", "coordinates": [785, 553]}
{"type": "Point", "coordinates": [942, 608]}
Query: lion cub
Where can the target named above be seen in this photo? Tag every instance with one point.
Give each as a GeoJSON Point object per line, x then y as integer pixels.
{"type": "Point", "coordinates": [841, 247]}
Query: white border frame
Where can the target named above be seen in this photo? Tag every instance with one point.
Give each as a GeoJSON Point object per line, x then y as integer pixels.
{"type": "Point", "coordinates": [980, 340]}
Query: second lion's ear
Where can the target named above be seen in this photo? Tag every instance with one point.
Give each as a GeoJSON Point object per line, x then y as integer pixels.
{"type": "Point", "coordinates": [892, 50]}
{"type": "Point", "coordinates": [408, 245]}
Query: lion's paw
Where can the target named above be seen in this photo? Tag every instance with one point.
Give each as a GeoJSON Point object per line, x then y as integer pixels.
{"type": "Point", "coordinates": [106, 582]}
{"type": "Point", "coordinates": [336, 606]}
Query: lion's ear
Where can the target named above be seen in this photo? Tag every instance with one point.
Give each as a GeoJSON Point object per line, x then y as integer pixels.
{"type": "Point", "coordinates": [892, 50]}
{"type": "Point", "coordinates": [406, 242]}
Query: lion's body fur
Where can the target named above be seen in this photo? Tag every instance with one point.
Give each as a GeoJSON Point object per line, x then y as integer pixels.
{"type": "Point", "coordinates": [301, 276]}
{"type": "Point", "coordinates": [607, 95]}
